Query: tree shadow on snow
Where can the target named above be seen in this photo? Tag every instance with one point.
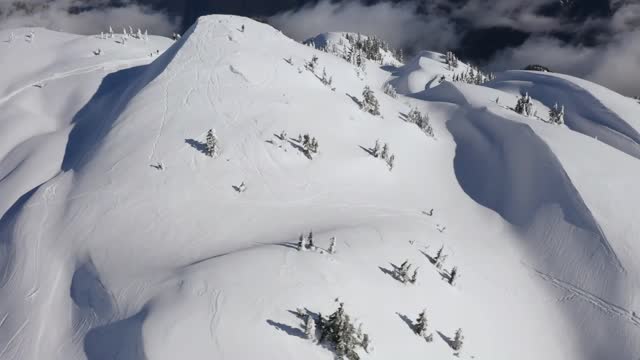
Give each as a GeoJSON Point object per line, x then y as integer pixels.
{"type": "Point", "coordinates": [288, 245]}
{"type": "Point", "coordinates": [391, 273]}
{"type": "Point", "coordinates": [446, 339]}
{"type": "Point", "coordinates": [355, 99]}
{"type": "Point", "coordinates": [299, 148]}
{"type": "Point", "coordinates": [432, 260]}
{"type": "Point", "coordinates": [367, 150]}
{"type": "Point", "coordinates": [198, 145]}
{"type": "Point", "coordinates": [286, 328]}
{"type": "Point", "coordinates": [406, 320]}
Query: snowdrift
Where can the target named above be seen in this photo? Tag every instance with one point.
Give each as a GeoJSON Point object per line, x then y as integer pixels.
{"type": "Point", "coordinates": [120, 238]}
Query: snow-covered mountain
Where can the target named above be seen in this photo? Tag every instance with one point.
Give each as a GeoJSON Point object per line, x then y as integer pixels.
{"type": "Point", "coordinates": [121, 239]}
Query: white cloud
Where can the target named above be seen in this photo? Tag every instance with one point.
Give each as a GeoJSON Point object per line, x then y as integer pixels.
{"type": "Point", "coordinates": [399, 24]}
{"type": "Point", "coordinates": [83, 17]}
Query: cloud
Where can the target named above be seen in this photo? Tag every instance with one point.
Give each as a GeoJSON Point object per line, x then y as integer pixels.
{"type": "Point", "coordinates": [612, 62]}
{"type": "Point", "coordinates": [83, 16]}
{"type": "Point", "coordinates": [611, 59]}
{"type": "Point", "coordinates": [399, 24]}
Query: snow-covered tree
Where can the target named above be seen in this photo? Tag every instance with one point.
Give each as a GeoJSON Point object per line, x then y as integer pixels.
{"type": "Point", "coordinates": [376, 149]}
{"type": "Point", "coordinates": [310, 240]}
{"type": "Point", "coordinates": [385, 152]}
{"type": "Point", "coordinates": [302, 243]}
{"type": "Point", "coordinates": [311, 65]}
{"type": "Point", "coordinates": [422, 121]}
{"type": "Point", "coordinates": [242, 188]}
{"type": "Point", "coordinates": [524, 105]}
{"type": "Point", "coordinates": [369, 102]}
{"type": "Point", "coordinates": [421, 325]}
{"type": "Point", "coordinates": [332, 246]}
{"type": "Point", "coordinates": [414, 277]}
{"type": "Point", "coordinates": [211, 149]}
{"type": "Point", "coordinates": [403, 272]}
{"type": "Point", "coordinates": [451, 60]}
{"type": "Point", "coordinates": [453, 276]}
{"type": "Point", "coordinates": [365, 342]}
{"type": "Point", "coordinates": [340, 332]}
{"type": "Point", "coordinates": [390, 90]}
{"type": "Point", "coordinates": [310, 328]}
{"type": "Point", "coordinates": [439, 254]}
{"type": "Point", "coordinates": [456, 344]}
{"type": "Point", "coordinates": [556, 114]}
{"type": "Point", "coordinates": [391, 161]}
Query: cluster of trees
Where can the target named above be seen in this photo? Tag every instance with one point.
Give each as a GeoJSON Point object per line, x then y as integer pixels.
{"type": "Point", "coordinates": [421, 120]}
{"type": "Point", "coordinates": [309, 144]}
{"type": "Point", "coordinates": [403, 272]}
{"type": "Point", "coordinates": [312, 64]}
{"type": "Point", "coordinates": [451, 60]}
{"type": "Point", "coordinates": [556, 114]}
{"type": "Point", "coordinates": [383, 154]}
{"type": "Point", "coordinates": [438, 261]}
{"type": "Point", "coordinates": [126, 35]}
{"type": "Point", "coordinates": [358, 48]}
{"type": "Point", "coordinates": [211, 146]}
{"type": "Point", "coordinates": [524, 106]}
{"type": "Point", "coordinates": [306, 243]}
{"type": "Point", "coordinates": [369, 102]}
{"type": "Point", "coordinates": [390, 90]}
{"type": "Point", "coordinates": [421, 326]}
{"type": "Point", "coordinates": [327, 80]}
{"type": "Point", "coordinates": [339, 332]}
{"type": "Point", "coordinates": [473, 76]}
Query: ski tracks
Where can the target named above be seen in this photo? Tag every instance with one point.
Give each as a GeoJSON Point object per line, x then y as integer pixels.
{"type": "Point", "coordinates": [603, 305]}
{"type": "Point", "coordinates": [215, 303]}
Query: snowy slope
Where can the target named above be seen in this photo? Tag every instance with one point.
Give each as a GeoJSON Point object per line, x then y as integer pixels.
{"type": "Point", "coordinates": [103, 256]}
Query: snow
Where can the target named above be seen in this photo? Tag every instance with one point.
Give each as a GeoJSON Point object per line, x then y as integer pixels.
{"type": "Point", "coordinates": [103, 256]}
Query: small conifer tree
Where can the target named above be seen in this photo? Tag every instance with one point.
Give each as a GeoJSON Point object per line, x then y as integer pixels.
{"type": "Point", "coordinates": [458, 339]}
{"type": "Point", "coordinates": [211, 149]}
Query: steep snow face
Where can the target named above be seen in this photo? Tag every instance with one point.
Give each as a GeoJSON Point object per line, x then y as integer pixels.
{"type": "Point", "coordinates": [117, 231]}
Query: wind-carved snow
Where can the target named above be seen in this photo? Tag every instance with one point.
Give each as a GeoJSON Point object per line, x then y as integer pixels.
{"type": "Point", "coordinates": [120, 238]}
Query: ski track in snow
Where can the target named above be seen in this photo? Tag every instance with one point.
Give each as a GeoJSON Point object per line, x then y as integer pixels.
{"type": "Point", "coordinates": [214, 317]}
{"type": "Point", "coordinates": [79, 71]}
{"type": "Point", "coordinates": [605, 306]}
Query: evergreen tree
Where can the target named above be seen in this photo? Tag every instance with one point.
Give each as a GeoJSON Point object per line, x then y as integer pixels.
{"type": "Point", "coordinates": [211, 149]}
{"type": "Point", "coordinates": [391, 162]}
{"type": "Point", "coordinates": [376, 148]}
{"type": "Point", "coordinates": [369, 102]}
{"type": "Point", "coordinates": [385, 152]}
{"type": "Point", "coordinates": [342, 334]}
{"type": "Point", "coordinates": [421, 324]}
{"type": "Point", "coordinates": [332, 247]}
{"type": "Point", "coordinates": [310, 240]}
{"type": "Point", "coordinates": [439, 254]}
{"type": "Point", "coordinates": [390, 90]}
{"type": "Point", "coordinates": [310, 328]}
{"type": "Point", "coordinates": [524, 105]}
{"type": "Point", "coordinates": [453, 276]}
{"type": "Point", "coordinates": [302, 242]}
{"type": "Point", "coordinates": [556, 115]}
{"type": "Point", "coordinates": [365, 342]}
{"type": "Point", "coordinates": [414, 277]}
{"type": "Point", "coordinates": [456, 344]}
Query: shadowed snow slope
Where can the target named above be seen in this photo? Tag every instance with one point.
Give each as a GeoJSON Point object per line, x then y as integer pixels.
{"type": "Point", "coordinates": [121, 239]}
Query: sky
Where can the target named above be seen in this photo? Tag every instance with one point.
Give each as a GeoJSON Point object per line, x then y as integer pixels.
{"type": "Point", "coordinates": [598, 40]}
